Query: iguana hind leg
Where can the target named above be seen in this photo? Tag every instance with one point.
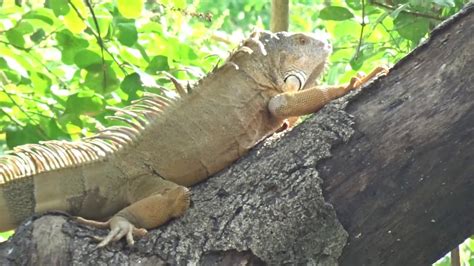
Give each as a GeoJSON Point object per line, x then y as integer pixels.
{"type": "Point", "coordinates": [297, 103]}
{"type": "Point", "coordinates": [168, 201]}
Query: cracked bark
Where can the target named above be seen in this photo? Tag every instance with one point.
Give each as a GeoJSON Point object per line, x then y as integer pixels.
{"type": "Point", "coordinates": [400, 179]}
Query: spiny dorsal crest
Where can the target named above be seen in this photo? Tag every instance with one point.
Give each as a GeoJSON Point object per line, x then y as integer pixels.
{"type": "Point", "coordinates": [31, 159]}
{"type": "Point", "coordinates": [259, 57]}
{"type": "Point", "coordinates": [246, 50]}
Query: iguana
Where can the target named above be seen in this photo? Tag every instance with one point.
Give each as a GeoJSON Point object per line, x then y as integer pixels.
{"type": "Point", "coordinates": [135, 177]}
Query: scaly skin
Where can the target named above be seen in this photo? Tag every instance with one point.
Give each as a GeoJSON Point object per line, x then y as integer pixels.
{"type": "Point", "coordinates": [142, 181]}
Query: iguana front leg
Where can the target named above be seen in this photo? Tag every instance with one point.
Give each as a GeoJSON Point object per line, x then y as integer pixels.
{"type": "Point", "coordinates": [297, 103]}
{"type": "Point", "coordinates": [165, 200]}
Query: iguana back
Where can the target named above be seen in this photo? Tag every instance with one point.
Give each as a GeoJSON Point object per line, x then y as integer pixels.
{"type": "Point", "coordinates": [205, 131]}
{"type": "Point", "coordinates": [168, 144]}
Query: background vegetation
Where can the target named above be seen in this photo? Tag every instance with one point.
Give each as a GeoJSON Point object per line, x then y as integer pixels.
{"type": "Point", "coordinates": [63, 61]}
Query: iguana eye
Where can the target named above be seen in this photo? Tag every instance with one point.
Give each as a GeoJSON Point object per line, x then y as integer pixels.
{"type": "Point", "coordinates": [302, 40]}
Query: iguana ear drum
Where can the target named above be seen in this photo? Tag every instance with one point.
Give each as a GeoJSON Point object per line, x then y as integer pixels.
{"type": "Point", "coordinates": [300, 76]}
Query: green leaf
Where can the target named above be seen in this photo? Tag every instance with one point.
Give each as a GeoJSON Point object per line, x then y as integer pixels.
{"type": "Point", "coordinates": [6, 235]}
{"type": "Point", "coordinates": [12, 76]}
{"type": "Point", "coordinates": [143, 52]}
{"type": "Point", "coordinates": [40, 14]}
{"type": "Point", "coordinates": [59, 7]}
{"type": "Point", "coordinates": [86, 58]}
{"type": "Point", "coordinates": [104, 18]}
{"type": "Point", "coordinates": [354, 4]}
{"type": "Point", "coordinates": [348, 30]}
{"type": "Point", "coordinates": [40, 82]}
{"type": "Point", "coordinates": [337, 13]}
{"type": "Point", "coordinates": [176, 50]}
{"type": "Point", "coordinates": [69, 45]}
{"type": "Point", "coordinates": [84, 103]}
{"type": "Point", "coordinates": [55, 132]}
{"type": "Point", "coordinates": [100, 79]}
{"type": "Point", "coordinates": [130, 9]}
{"type": "Point", "coordinates": [182, 3]}
{"type": "Point", "coordinates": [366, 51]}
{"type": "Point", "coordinates": [37, 36]}
{"type": "Point", "coordinates": [15, 65]}
{"type": "Point", "coordinates": [16, 135]}
{"type": "Point", "coordinates": [445, 3]}
{"type": "Point", "coordinates": [131, 84]}
{"type": "Point", "coordinates": [72, 20]}
{"type": "Point", "coordinates": [158, 63]}
{"type": "Point", "coordinates": [127, 33]}
{"type": "Point", "coordinates": [357, 62]}
{"type": "Point", "coordinates": [15, 37]}
{"type": "Point", "coordinates": [399, 9]}
{"type": "Point", "coordinates": [70, 123]}
{"type": "Point", "coordinates": [411, 27]}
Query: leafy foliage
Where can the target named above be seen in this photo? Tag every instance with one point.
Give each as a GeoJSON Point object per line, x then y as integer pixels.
{"type": "Point", "coordinates": [5, 235]}
{"type": "Point", "coordinates": [466, 254]}
{"type": "Point", "coordinates": [62, 62]}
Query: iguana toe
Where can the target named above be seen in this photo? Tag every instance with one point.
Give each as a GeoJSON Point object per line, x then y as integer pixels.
{"type": "Point", "coordinates": [92, 223]}
{"type": "Point", "coordinates": [119, 228]}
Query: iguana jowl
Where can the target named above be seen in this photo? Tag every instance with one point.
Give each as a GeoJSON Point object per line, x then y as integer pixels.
{"type": "Point", "coordinates": [138, 174]}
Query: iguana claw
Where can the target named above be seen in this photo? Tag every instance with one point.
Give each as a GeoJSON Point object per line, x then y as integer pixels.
{"type": "Point", "coordinates": [119, 228]}
{"type": "Point", "coordinates": [361, 78]}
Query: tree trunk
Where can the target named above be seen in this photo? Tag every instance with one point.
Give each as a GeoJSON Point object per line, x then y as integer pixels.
{"type": "Point", "coordinates": [403, 186]}
{"type": "Point", "coordinates": [400, 179]}
{"type": "Point", "coordinates": [280, 15]}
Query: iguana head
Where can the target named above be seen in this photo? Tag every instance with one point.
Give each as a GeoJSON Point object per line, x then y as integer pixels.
{"type": "Point", "coordinates": [280, 58]}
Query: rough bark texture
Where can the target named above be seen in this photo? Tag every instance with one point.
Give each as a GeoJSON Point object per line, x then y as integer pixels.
{"type": "Point", "coordinates": [403, 186]}
{"type": "Point", "coordinates": [400, 179]}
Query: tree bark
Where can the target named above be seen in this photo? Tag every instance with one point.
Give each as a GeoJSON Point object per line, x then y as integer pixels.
{"type": "Point", "coordinates": [403, 186]}
{"type": "Point", "coordinates": [400, 179]}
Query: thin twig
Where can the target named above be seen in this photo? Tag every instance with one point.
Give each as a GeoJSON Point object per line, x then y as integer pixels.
{"type": "Point", "coordinates": [16, 46]}
{"type": "Point", "coordinates": [46, 37]}
{"type": "Point", "coordinates": [40, 114]}
{"type": "Point", "coordinates": [28, 51]}
{"type": "Point", "coordinates": [397, 43]}
{"type": "Point", "coordinates": [455, 257]}
{"type": "Point", "coordinates": [13, 119]}
{"type": "Point", "coordinates": [337, 48]}
{"type": "Point", "coordinates": [14, 26]}
{"type": "Point", "coordinates": [40, 130]}
{"type": "Point", "coordinates": [414, 13]}
{"type": "Point", "coordinates": [361, 36]}
{"type": "Point", "coordinates": [33, 99]}
{"type": "Point", "coordinates": [101, 44]}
